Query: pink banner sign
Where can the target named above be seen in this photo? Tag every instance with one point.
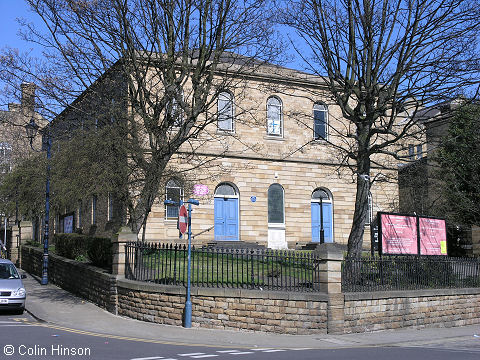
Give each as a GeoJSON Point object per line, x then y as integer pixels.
{"type": "Point", "coordinates": [433, 237]}
{"type": "Point", "coordinates": [200, 190]}
{"type": "Point", "coordinates": [399, 234]}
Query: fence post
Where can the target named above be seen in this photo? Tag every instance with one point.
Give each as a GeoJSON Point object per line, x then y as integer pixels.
{"type": "Point", "coordinates": [24, 234]}
{"type": "Point", "coordinates": [476, 240]}
{"type": "Point", "coordinates": [118, 249]}
{"type": "Point", "coordinates": [15, 246]}
{"type": "Point", "coordinates": [26, 231]}
{"type": "Point", "coordinates": [330, 282]}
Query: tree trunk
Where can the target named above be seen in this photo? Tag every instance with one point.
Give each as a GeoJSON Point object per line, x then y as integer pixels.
{"type": "Point", "coordinates": [355, 239]}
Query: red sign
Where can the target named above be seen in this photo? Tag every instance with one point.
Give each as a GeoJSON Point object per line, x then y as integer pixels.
{"type": "Point", "coordinates": [182, 219]}
{"type": "Point", "coordinates": [433, 236]}
{"type": "Point", "coordinates": [399, 234]}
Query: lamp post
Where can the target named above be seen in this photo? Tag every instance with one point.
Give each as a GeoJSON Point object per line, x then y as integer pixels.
{"type": "Point", "coordinates": [31, 129]}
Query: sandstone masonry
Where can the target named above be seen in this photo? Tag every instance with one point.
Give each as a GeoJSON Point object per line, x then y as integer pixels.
{"type": "Point", "coordinates": [328, 311]}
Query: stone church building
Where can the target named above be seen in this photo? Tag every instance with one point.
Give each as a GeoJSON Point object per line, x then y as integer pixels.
{"type": "Point", "coordinates": [274, 176]}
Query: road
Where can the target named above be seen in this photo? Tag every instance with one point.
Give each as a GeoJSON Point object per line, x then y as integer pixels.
{"type": "Point", "coordinates": [23, 337]}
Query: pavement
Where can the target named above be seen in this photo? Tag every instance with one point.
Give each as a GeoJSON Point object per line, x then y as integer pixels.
{"type": "Point", "coordinates": [64, 311]}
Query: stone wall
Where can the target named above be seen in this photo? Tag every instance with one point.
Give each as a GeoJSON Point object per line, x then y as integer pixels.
{"type": "Point", "coordinates": [86, 281]}
{"type": "Point", "coordinates": [411, 309]}
{"type": "Point", "coordinates": [268, 311]}
{"type": "Point", "coordinates": [31, 260]}
{"type": "Point", "coordinates": [279, 312]}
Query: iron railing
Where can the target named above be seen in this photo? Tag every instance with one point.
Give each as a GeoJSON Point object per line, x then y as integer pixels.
{"type": "Point", "coordinates": [230, 268]}
{"type": "Point", "coordinates": [409, 273]}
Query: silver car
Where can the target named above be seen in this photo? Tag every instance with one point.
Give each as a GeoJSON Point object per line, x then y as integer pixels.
{"type": "Point", "coordinates": [12, 291]}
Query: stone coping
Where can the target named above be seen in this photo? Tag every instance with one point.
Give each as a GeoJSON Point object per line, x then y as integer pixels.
{"type": "Point", "coordinates": [375, 295]}
{"type": "Point", "coordinates": [220, 292]}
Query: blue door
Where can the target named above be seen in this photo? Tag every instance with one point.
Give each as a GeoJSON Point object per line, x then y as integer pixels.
{"type": "Point", "coordinates": [226, 219]}
{"type": "Point", "coordinates": [327, 222]}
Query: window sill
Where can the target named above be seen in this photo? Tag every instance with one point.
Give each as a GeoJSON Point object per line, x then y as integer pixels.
{"type": "Point", "coordinates": [319, 141]}
{"type": "Point", "coordinates": [275, 138]}
{"type": "Point", "coordinates": [276, 226]}
{"type": "Point", "coordinates": [225, 132]}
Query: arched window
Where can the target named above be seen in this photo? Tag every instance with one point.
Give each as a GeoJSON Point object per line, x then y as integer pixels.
{"type": "Point", "coordinates": [274, 116]}
{"type": "Point", "coordinates": [174, 192]}
{"type": "Point", "coordinates": [225, 111]}
{"type": "Point", "coordinates": [174, 110]}
{"type": "Point", "coordinates": [276, 209]}
{"type": "Point", "coordinates": [320, 121]}
{"type": "Point", "coordinates": [320, 194]}
{"type": "Point", "coordinates": [225, 190]}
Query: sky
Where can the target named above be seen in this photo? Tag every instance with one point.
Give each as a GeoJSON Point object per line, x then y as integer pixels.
{"type": "Point", "coordinates": [10, 10]}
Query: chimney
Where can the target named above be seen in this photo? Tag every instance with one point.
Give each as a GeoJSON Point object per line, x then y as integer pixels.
{"type": "Point", "coordinates": [28, 96]}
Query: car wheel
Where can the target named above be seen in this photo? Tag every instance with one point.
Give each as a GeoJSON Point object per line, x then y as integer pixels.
{"type": "Point", "coordinates": [20, 311]}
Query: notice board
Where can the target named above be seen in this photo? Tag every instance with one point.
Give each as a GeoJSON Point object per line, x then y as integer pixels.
{"type": "Point", "coordinates": [433, 236]}
{"type": "Point", "coordinates": [411, 235]}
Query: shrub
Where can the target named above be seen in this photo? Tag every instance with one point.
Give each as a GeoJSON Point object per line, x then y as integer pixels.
{"type": "Point", "coordinates": [70, 245]}
{"type": "Point", "coordinates": [100, 252]}
{"type": "Point", "coordinates": [79, 247]}
{"type": "Point", "coordinates": [33, 243]}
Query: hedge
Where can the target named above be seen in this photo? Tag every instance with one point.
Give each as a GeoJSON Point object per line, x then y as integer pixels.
{"type": "Point", "coordinates": [97, 249]}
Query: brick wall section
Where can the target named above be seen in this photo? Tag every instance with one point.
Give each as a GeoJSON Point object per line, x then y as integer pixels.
{"type": "Point", "coordinates": [277, 312]}
{"type": "Point", "coordinates": [86, 281]}
{"type": "Point", "coordinates": [366, 312]}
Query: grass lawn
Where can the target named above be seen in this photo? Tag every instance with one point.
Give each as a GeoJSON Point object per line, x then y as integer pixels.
{"type": "Point", "coordinates": [232, 269]}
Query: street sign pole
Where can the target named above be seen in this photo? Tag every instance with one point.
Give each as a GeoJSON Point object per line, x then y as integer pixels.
{"type": "Point", "coordinates": [188, 302]}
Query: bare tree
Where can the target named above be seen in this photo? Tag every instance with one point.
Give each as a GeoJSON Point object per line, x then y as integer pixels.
{"type": "Point", "coordinates": [164, 62]}
{"type": "Point", "coordinates": [383, 61]}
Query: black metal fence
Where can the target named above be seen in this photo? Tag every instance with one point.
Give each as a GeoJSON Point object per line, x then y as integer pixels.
{"type": "Point", "coordinates": [231, 268]}
{"type": "Point", "coordinates": [409, 273]}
